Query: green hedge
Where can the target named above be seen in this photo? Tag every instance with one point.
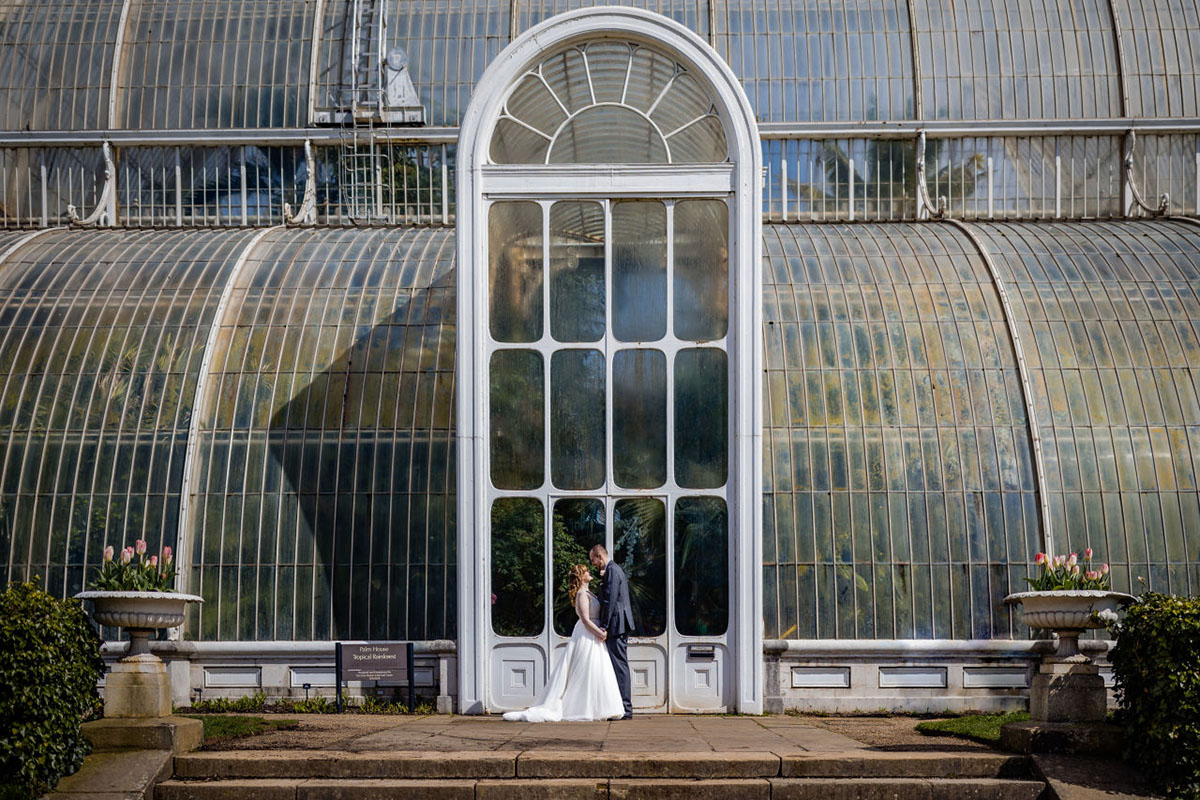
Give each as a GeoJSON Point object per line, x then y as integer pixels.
{"type": "Point", "coordinates": [1156, 663]}
{"type": "Point", "coordinates": [49, 665]}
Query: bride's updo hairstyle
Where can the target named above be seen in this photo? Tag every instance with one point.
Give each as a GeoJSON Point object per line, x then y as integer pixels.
{"type": "Point", "coordinates": [575, 581]}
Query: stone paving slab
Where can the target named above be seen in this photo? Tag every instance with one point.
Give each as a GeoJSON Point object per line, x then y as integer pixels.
{"type": "Point", "coordinates": [902, 789]}
{"type": "Point", "coordinates": [891, 764]}
{"type": "Point", "coordinates": [649, 764]}
{"type": "Point", "coordinates": [561, 789]}
{"type": "Point", "coordinates": [113, 774]}
{"type": "Point", "coordinates": [309, 764]}
{"type": "Point", "coordinates": [689, 790]}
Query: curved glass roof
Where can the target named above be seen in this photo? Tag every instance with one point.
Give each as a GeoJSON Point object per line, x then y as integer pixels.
{"type": "Point", "coordinates": [188, 64]}
{"type": "Point", "coordinates": [102, 339]}
{"type": "Point", "coordinates": [900, 485]}
{"type": "Point", "coordinates": [215, 64]}
{"type": "Point", "coordinates": [1018, 59]}
{"type": "Point", "coordinates": [898, 476]}
{"type": "Point", "coordinates": [1109, 315]}
{"type": "Point", "coordinates": [324, 486]}
{"type": "Point", "coordinates": [56, 63]}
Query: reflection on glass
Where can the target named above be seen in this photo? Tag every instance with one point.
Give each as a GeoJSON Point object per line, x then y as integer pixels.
{"type": "Point", "coordinates": [701, 418]}
{"type": "Point", "coordinates": [640, 536]}
{"type": "Point", "coordinates": [701, 269]}
{"type": "Point", "coordinates": [576, 271]}
{"type": "Point", "coordinates": [577, 419]}
{"type": "Point", "coordinates": [639, 231]}
{"type": "Point", "coordinates": [701, 566]}
{"type": "Point", "coordinates": [515, 271]}
{"type": "Point", "coordinates": [517, 427]}
{"type": "Point", "coordinates": [578, 526]}
{"type": "Point", "coordinates": [518, 566]}
{"type": "Point", "coordinates": [640, 418]}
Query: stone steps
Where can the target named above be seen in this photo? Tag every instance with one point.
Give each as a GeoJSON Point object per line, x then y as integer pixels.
{"type": "Point", "coordinates": [538, 775]}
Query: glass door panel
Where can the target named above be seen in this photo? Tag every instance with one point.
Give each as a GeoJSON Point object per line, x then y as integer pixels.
{"type": "Point", "coordinates": [579, 525]}
{"type": "Point", "coordinates": [701, 566]}
{"type": "Point", "coordinates": [640, 547]}
{"type": "Point", "coordinates": [577, 406]}
{"type": "Point", "coordinates": [518, 566]}
{"type": "Point", "coordinates": [701, 269]}
{"type": "Point", "coordinates": [701, 418]}
{"type": "Point", "coordinates": [515, 272]}
{"type": "Point", "coordinates": [639, 266]}
{"type": "Point", "coordinates": [577, 285]}
{"type": "Point", "coordinates": [639, 418]}
{"type": "Point", "coordinates": [517, 419]}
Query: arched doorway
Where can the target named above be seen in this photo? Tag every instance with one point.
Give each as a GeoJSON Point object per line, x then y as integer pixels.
{"type": "Point", "coordinates": [608, 392]}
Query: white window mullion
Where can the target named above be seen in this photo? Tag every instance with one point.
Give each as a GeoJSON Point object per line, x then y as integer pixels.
{"type": "Point", "coordinates": [609, 344]}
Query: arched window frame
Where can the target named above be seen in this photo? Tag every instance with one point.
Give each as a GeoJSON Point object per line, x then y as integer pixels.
{"type": "Point", "coordinates": [741, 179]}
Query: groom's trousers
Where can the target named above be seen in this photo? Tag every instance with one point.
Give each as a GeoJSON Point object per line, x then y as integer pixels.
{"type": "Point", "coordinates": [616, 652]}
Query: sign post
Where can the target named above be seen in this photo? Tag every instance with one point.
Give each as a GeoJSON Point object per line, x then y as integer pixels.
{"type": "Point", "coordinates": [375, 661]}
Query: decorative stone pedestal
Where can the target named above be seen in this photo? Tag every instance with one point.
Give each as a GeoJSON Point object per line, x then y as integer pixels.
{"type": "Point", "coordinates": [1065, 691]}
{"type": "Point", "coordinates": [137, 686]}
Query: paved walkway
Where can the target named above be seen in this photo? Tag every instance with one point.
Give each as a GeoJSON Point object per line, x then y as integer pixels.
{"type": "Point", "coordinates": [660, 733]}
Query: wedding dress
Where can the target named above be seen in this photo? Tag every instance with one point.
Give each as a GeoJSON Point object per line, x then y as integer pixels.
{"type": "Point", "coordinates": [582, 686]}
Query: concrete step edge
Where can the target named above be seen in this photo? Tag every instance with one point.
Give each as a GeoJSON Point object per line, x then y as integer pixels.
{"type": "Point", "coordinates": [566, 764]}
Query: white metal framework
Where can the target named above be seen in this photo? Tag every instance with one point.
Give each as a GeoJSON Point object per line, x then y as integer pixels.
{"type": "Point", "coordinates": [482, 184]}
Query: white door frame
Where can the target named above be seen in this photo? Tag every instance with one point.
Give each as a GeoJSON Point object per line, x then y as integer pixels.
{"type": "Point", "coordinates": [743, 179]}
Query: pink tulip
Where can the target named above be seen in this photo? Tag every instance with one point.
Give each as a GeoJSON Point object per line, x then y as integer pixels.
{"type": "Point", "coordinates": [140, 547]}
{"type": "Point", "coordinates": [1104, 569]}
{"type": "Point", "coordinates": [1073, 560]}
{"type": "Point", "coordinates": [167, 555]}
{"type": "Point", "coordinates": [1039, 559]}
{"type": "Point", "coordinates": [1087, 554]}
{"type": "Point", "coordinates": [1074, 569]}
{"type": "Point", "coordinates": [127, 555]}
{"type": "Point", "coordinates": [1058, 560]}
{"type": "Point", "coordinates": [154, 561]}
{"type": "Point", "coordinates": [108, 554]}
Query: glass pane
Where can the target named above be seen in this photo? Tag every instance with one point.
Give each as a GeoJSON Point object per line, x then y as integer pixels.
{"type": "Point", "coordinates": [515, 271]}
{"type": "Point", "coordinates": [578, 526]}
{"type": "Point", "coordinates": [701, 566]}
{"type": "Point", "coordinates": [576, 271]}
{"type": "Point", "coordinates": [577, 419]}
{"type": "Point", "coordinates": [701, 269]}
{"type": "Point", "coordinates": [640, 536]}
{"type": "Point", "coordinates": [518, 566]}
{"type": "Point", "coordinates": [608, 135]}
{"type": "Point", "coordinates": [640, 418]}
{"type": "Point", "coordinates": [517, 425]}
{"type": "Point", "coordinates": [639, 231]}
{"type": "Point", "coordinates": [701, 418]}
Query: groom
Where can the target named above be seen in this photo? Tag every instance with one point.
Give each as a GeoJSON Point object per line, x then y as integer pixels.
{"type": "Point", "coordinates": [616, 618]}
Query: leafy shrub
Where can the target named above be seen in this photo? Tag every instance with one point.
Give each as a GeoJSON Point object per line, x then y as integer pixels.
{"type": "Point", "coordinates": [49, 665]}
{"type": "Point", "coordinates": [1156, 663]}
{"type": "Point", "coordinates": [227, 705]}
{"type": "Point", "coordinates": [319, 704]}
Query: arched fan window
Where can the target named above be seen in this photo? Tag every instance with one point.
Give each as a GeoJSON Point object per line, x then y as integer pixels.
{"type": "Point", "coordinates": [609, 102]}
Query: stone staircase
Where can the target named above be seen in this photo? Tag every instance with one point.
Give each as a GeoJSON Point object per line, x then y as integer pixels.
{"type": "Point", "coordinates": [543, 774]}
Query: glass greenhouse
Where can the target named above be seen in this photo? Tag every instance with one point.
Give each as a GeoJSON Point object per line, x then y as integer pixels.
{"type": "Point", "coordinates": [825, 316]}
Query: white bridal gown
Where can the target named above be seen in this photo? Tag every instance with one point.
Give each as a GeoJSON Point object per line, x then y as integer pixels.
{"type": "Point", "coordinates": [583, 686]}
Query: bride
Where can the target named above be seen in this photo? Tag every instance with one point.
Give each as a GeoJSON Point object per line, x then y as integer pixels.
{"type": "Point", "coordinates": [582, 685]}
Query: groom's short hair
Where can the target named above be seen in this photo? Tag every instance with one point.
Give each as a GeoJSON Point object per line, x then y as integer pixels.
{"type": "Point", "coordinates": [598, 550]}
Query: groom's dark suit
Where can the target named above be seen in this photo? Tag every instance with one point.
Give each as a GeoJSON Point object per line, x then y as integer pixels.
{"type": "Point", "coordinates": [616, 617]}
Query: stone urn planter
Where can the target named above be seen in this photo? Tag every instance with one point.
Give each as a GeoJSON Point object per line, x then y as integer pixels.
{"type": "Point", "coordinates": [1068, 613]}
{"type": "Point", "coordinates": [1067, 687]}
{"type": "Point", "coordinates": [138, 684]}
